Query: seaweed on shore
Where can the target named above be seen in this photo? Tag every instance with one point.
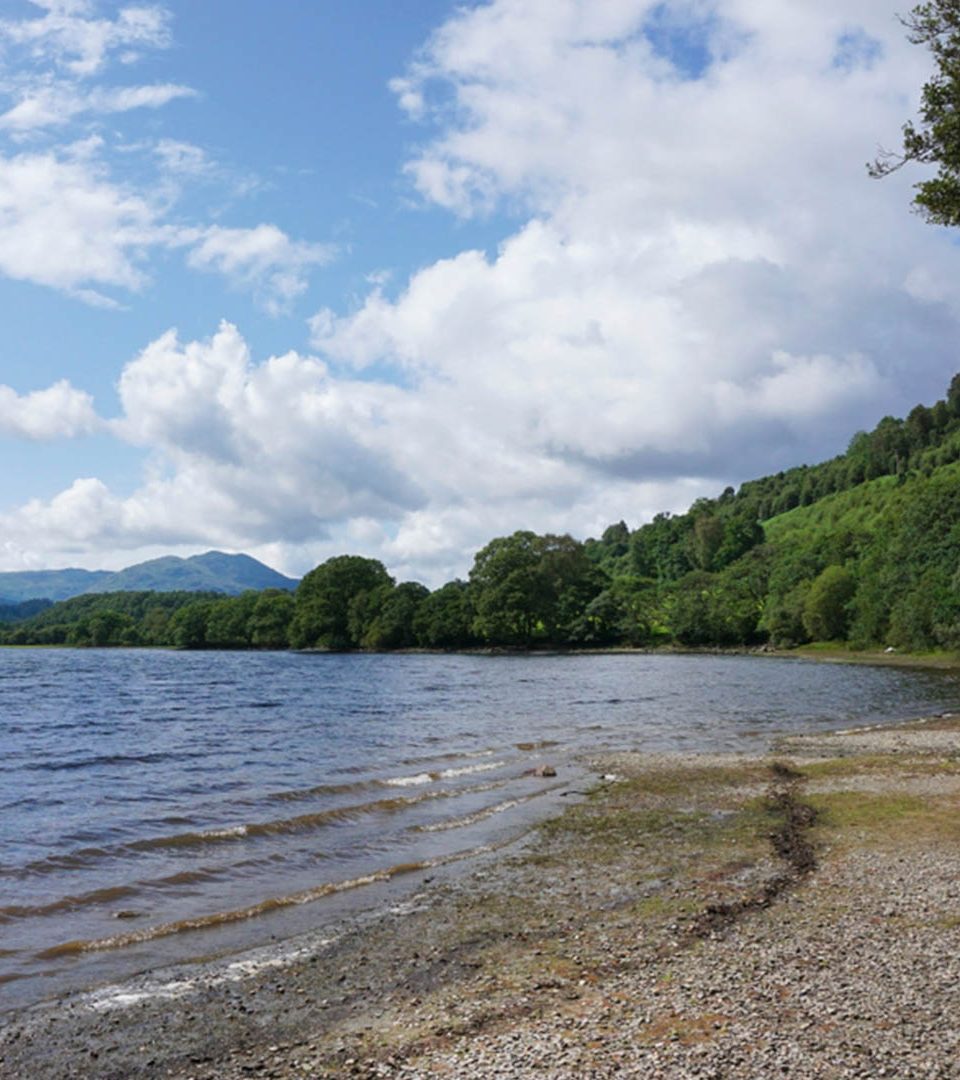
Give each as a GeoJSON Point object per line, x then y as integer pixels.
{"type": "Point", "coordinates": [791, 845]}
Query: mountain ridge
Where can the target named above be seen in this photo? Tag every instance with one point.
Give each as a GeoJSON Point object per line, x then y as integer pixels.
{"type": "Point", "coordinates": [212, 571]}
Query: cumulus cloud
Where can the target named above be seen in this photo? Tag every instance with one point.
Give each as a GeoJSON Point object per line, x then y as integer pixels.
{"type": "Point", "coordinates": [704, 257]}
{"type": "Point", "coordinates": [66, 223]}
{"type": "Point", "coordinates": [262, 258]}
{"type": "Point", "coordinates": [70, 34]}
{"type": "Point", "coordinates": [242, 453]}
{"type": "Point", "coordinates": [68, 218]}
{"type": "Point", "coordinates": [63, 223]}
{"type": "Point", "coordinates": [700, 285]}
{"type": "Point", "coordinates": [60, 411]}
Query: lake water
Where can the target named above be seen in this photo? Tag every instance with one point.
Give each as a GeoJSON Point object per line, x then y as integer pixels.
{"type": "Point", "coordinates": [162, 806]}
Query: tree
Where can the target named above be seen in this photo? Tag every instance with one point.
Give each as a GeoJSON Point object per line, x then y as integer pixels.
{"type": "Point", "coordinates": [227, 622]}
{"type": "Point", "coordinates": [383, 618]}
{"type": "Point", "coordinates": [826, 610]}
{"type": "Point", "coordinates": [109, 627]}
{"type": "Point", "coordinates": [189, 625]}
{"type": "Point", "coordinates": [705, 540]}
{"type": "Point", "coordinates": [322, 612]}
{"type": "Point", "coordinates": [935, 138]}
{"type": "Point", "coordinates": [507, 590]}
{"type": "Point", "coordinates": [529, 588]}
{"type": "Point", "coordinates": [444, 618]}
{"type": "Point", "coordinates": [269, 624]}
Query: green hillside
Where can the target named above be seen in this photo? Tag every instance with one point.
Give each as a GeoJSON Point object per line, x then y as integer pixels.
{"type": "Point", "coordinates": [862, 549]}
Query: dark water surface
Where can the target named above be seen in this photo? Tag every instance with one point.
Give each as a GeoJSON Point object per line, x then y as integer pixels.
{"type": "Point", "coordinates": [159, 806]}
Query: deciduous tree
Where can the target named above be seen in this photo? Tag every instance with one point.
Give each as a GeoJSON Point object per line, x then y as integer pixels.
{"type": "Point", "coordinates": [934, 138]}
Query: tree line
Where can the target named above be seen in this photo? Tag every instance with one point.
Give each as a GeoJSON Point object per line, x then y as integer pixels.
{"type": "Point", "coordinates": [864, 548]}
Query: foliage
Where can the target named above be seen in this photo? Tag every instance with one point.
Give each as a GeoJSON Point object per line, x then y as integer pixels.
{"type": "Point", "coordinates": [269, 622]}
{"type": "Point", "coordinates": [383, 618]}
{"type": "Point", "coordinates": [528, 588]}
{"type": "Point", "coordinates": [322, 612]}
{"type": "Point", "coordinates": [826, 611]}
{"type": "Point", "coordinates": [444, 619]}
{"type": "Point", "coordinates": [863, 548]}
{"type": "Point", "coordinates": [935, 138]}
{"type": "Point", "coordinates": [17, 612]}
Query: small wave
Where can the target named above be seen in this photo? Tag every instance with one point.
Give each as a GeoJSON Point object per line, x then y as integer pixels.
{"type": "Point", "coordinates": [441, 774]}
{"type": "Point", "coordinates": [105, 896]}
{"type": "Point", "coordinates": [470, 819]}
{"type": "Point", "coordinates": [66, 903]}
{"type": "Point", "coordinates": [124, 995]}
{"type": "Point", "coordinates": [107, 759]}
{"type": "Point", "coordinates": [411, 781]}
{"type": "Point", "coordinates": [451, 755]}
{"type": "Point", "coordinates": [52, 864]}
{"type": "Point", "coordinates": [223, 918]}
{"type": "Point", "coordinates": [274, 903]}
{"type": "Point", "coordinates": [234, 833]}
{"type": "Point", "coordinates": [469, 770]}
{"type": "Point", "coordinates": [299, 794]}
{"type": "Point", "coordinates": [486, 812]}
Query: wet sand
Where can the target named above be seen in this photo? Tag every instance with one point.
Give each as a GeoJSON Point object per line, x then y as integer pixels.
{"type": "Point", "coordinates": [697, 915]}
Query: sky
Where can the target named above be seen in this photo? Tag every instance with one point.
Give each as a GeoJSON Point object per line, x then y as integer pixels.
{"type": "Point", "coordinates": [395, 277]}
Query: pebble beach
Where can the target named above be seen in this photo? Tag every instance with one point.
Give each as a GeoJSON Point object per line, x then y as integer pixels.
{"type": "Point", "coordinates": [717, 916]}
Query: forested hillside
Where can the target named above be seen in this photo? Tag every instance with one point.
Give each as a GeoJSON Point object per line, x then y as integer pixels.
{"type": "Point", "coordinates": [863, 548]}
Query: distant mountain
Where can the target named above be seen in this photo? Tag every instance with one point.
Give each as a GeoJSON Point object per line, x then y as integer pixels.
{"type": "Point", "coordinates": [54, 585]}
{"type": "Point", "coordinates": [214, 571]}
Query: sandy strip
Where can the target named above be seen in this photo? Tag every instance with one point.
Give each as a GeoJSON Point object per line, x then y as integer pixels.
{"type": "Point", "coordinates": [654, 930]}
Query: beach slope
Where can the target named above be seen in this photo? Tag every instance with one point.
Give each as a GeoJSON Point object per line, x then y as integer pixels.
{"type": "Point", "coordinates": [695, 916]}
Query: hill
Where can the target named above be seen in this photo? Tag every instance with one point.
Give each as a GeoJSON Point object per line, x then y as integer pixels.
{"type": "Point", "coordinates": [862, 549]}
{"type": "Point", "coordinates": [213, 571]}
{"type": "Point", "coordinates": [19, 585]}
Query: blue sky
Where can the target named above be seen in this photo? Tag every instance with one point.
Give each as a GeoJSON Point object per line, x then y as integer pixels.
{"type": "Point", "coordinates": [395, 278]}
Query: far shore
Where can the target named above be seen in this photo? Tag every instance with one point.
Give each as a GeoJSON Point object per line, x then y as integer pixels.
{"type": "Point", "coordinates": [727, 916]}
{"type": "Point", "coordinates": [823, 652]}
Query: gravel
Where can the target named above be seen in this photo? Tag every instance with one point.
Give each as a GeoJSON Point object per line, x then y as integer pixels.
{"type": "Point", "coordinates": [577, 957]}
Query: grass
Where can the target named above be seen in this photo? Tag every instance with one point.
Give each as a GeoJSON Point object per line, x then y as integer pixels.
{"type": "Point", "coordinates": [878, 764]}
{"type": "Point", "coordinates": [691, 781]}
{"type": "Point", "coordinates": [838, 651]}
{"type": "Point", "coordinates": [886, 820]}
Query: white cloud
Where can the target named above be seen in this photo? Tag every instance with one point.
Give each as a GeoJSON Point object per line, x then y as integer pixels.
{"type": "Point", "coordinates": [182, 158]}
{"type": "Point", "coordinates": [279, 442]}
{"type": "Point", "coordinates": [263, 259]}
{"type": "Point", "coordinates": [705, 257]}
{"type": "Point", "coordinates": [60, 411]}
{"type": "Point", "coordinates": [70, 34]}
{"type": "Point", "coordinates": [64, 224]}
{"type": "Point", "coordinates": [701, 285]}
{"type": "Point", "coordinates": [58, 104]}
{"type": "Point", "coordinates": [78, 215]}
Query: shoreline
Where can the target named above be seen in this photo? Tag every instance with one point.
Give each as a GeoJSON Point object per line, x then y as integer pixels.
{"type": "Point", "coordinates": [650, 929]}
{"type": "Point", "coordinates": [821, 652]}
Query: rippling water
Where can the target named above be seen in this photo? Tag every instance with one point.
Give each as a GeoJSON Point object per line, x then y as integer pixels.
{"type": "Point", "coordinates": [159, 806]}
